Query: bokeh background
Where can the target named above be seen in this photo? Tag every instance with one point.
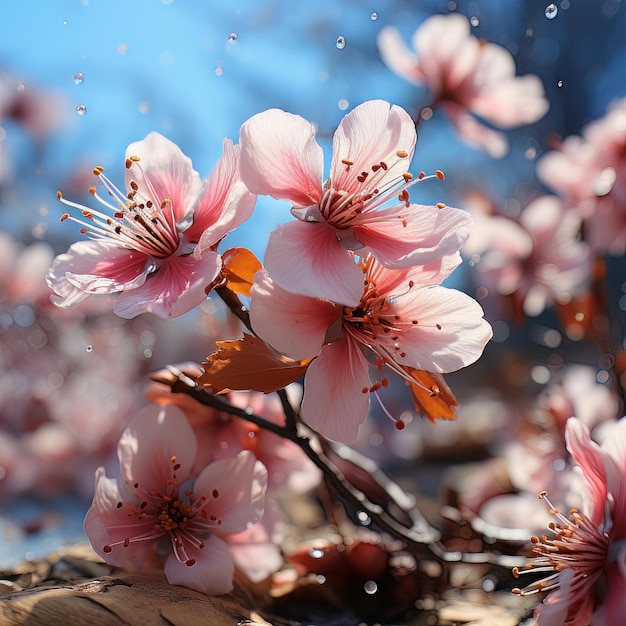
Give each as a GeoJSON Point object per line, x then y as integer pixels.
{"type": "Point", "coordinates": [95, 75]}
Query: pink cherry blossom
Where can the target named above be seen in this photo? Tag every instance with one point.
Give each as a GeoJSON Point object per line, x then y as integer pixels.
{"type": "Point", "coordinates": [161, 514]}
{"type": "Point", "coordinates": [586, 558]}
{"type": "Point", "coordinates": [468, 78]}
{"type": "Point", "coordinates": [589, 173]}
{"type": "Point", "coordinates": [154, 245]}
{"type": "Point", "coordinates": [404, 318]}
{"type": "Point", "coordinates": [372, 149]}
{"type": "Point", "coordinates": [539, 259]}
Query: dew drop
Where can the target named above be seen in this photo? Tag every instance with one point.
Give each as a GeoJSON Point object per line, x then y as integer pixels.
{"type": "Point", "coordinates": [81, 109]}
{"type": "Point", "coordinates": [341, 42]}
{"type": "Point", "coordinates": [79, 77]}
{"type": "Point", "coordinates": [89, 348]}
{"type": "Point", "coordinates": [374, 17]}
{"type": "Point", "coordinates": [364, 518]}
{"type": "Point", "coordinates": [474, 21]}
{"type": "Point", "coordinates": [370, 587]}
{"type": "Point", "coordinates": [551, 11]}
{"type": "Point", "coordinates": [559, 84]}
{"type": "Point", "coordinates": [232, 37]}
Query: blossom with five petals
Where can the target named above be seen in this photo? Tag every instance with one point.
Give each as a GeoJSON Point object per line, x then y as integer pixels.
{"type": "Point", "coordinates": [372, 148]}
{"type": "Point", "coordinates": [161, 515]}
{"type": "Point", "coordinates": [403, 317]}
{"type": "Point", "coordinates": [155, 244]}
{"type": "Point", "coordinates": [468, 77]}
{"type": "Point", "coordinates": [586, 559]}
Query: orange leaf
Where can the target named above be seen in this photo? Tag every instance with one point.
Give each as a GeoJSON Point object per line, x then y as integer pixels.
{"type": "Point", "coordinates": [239, 268]}
{"type": "Point", "coordinates": [431, 395]}
{"type": "Point", "coordinates": [249, 363]}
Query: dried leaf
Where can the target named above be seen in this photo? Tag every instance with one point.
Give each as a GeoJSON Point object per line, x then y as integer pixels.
{"type": "Point", "coordinates": [239, 267]}
{"type": "Point", "coordinates": [249, 363]}
{"type": "Point", "coordinates": [431, 395]}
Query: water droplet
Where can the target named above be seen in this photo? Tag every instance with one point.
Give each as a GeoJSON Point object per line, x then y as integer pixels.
{"type": "Point", "coordinates": [530, 153]}
{"type": "Point", "coordinates": [232, 37]}
{"type": "Point", "coordinates": [89, 348]}
{"type": "Point", "coordinates": [320, 579]}
{"type": "Point", "coordinates": [343, 104]}
{"type": "Point", "coordinates": [81, 109]}
{"type": "Point", "coordinates": [551, 11]}
{"type": "Point", "coordinates": [370, 587]}
{"type": "Point", "coordinates": [341, 42]}
{"type": "Point", "coordinates": [364, 518]}
{"type": "Point", "coordinates": [65, 22]}
{"type": "Point", "coordinates": [374, 17]}
{"type": "Point", "coordinates": [248, 410]}
{"type": "Point", "coordinates": [488, 585]}
{"type": "Point", "coordinates": [559, 84]}
{"type": "Point", "coordinates": [79, 77]}
{"type": "Point", "coordinates": [316, 553]}
{"type": "Point", "coordinates": [474, 21]}
{"type": "Point", "coordinates": [219, 70]}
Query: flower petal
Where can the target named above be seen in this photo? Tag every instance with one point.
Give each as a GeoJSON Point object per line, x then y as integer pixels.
{"type": "Point", "coordinates": [280, 158]}
{"type": "Point", "coordinates": [175, 288]}
{"type": "Point", "coordinates": [334, 403]}
{"type": "Point", "coordinates": [295, 325]}
{"type": "Point", "coordinates": [306, 258]}
{"type": "Point", "coordinates": [240, 485]}
{"type": "Point", "coordinates": [154, 437]}
{"type": "Point", "coordinates": [397, 56]}
{"type": "Point", "coordinates": [371, 133]}
{"type": "Point", "coordinates": [426, 234]}
{"type": "Point", "coordinates": [450, 334]}
{"type": "Point", "coordinates": [164, 169]}
{"type": "Point", "coordinates": [213, 570]}
{"type": "Point", "coordinates": [224, 202]}
{"type": "Point", "coordinates": [588, 455]}
{"type": "Point", "coordinates": [475, 134]}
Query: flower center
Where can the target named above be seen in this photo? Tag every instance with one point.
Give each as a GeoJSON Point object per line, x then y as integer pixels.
{"type": "Point", "coordinates": [578, 544]}
{"type": "Point", "coordinates": [138, 220]}
{"type": "Point", "coordinates": [182, 518]}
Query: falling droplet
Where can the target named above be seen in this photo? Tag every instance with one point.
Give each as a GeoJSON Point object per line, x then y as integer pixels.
{"type": "Point", "coordinates": [81, 109]}
{"type": "Point", "coordinates": [370, 587]}
{"type": "Point", "coordinates": [89, 348]}
{"type": "Point", "coordinates": [551, 11]}
{"type": "Point", "coordinates": [560, 84]}
{"type": "Point", "coordinates": [474, 21]}
{"type": "Point", "coordinates": [341, 42]}
{"type": "Point", "coordinates": [65, 22]}
{"type": "Point", "coordinates": [374, 17]}
{"type": "Point", "coordinates": [232, 37]}
{"type": "Point", "coordinates": [79, 77]}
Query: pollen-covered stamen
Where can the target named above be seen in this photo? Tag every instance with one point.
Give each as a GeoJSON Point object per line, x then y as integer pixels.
{"type": "Point", "coordinates": [138, 220]}
{"type": "Point", "coordinates": [578, 544]}
{"type": "Point", "coordinates": [374, 189]}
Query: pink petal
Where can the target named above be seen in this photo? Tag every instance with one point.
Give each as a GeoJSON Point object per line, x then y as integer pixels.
{"type": "Point", "coordinates": [397, 56]}
{"type": "Point", "coordinates": [164, 168]}
{"type": "Point", "coordinates": [612, 608]}
{"type": "Point", "coordinates": [450, 334]}
{"type": "Point", "coordinates": [372, 132]}
{"type": "Point", "coordinates": [240, 483]}
{"type": "Point", "coordinates": [213, 570]}
{"type": "Point", "coordinates": [429, 234]}
{"type": "Point", "coordinates": [174, 289]}
{"type": "Point", "coordinates": [224, 202]}
{"type": "Point", "coordinates": [306, 258]}
{"type": "Point", "coordinates": [106, 524]}
{"type": "Point", "coordinates": [280, 158]}
{"type": "Point", "coordinates": [97, 267]}
{"type": "Point", "coordinates": [295, 325]}
{"type": "Point", "coordinates": [476, 134]}
{"type": "Point", "coordinates": [153, 438]}
{"type": "Point", "coordinates": [334, 403]}
{"type": "Point", "coordinates": [588, 455]}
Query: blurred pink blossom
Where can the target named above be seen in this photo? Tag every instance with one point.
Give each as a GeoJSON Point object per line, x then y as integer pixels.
{"type": "Point", "coordinates": [539, 259]}
{"type": "Point", "coordinates": [372, 149]}
{"type": "Point", "coordinates": [589, 173]}
{"type": "Point", "coordinates": [469, 78]}
{"type": "Point", "coordinates": [586, 558]}
{"type": "Point", "coordinates": [404, 320]}
{"type": "Point", "coordinates": [154, 245]}
{"type": "Point", "coordinates": [161, 513]}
